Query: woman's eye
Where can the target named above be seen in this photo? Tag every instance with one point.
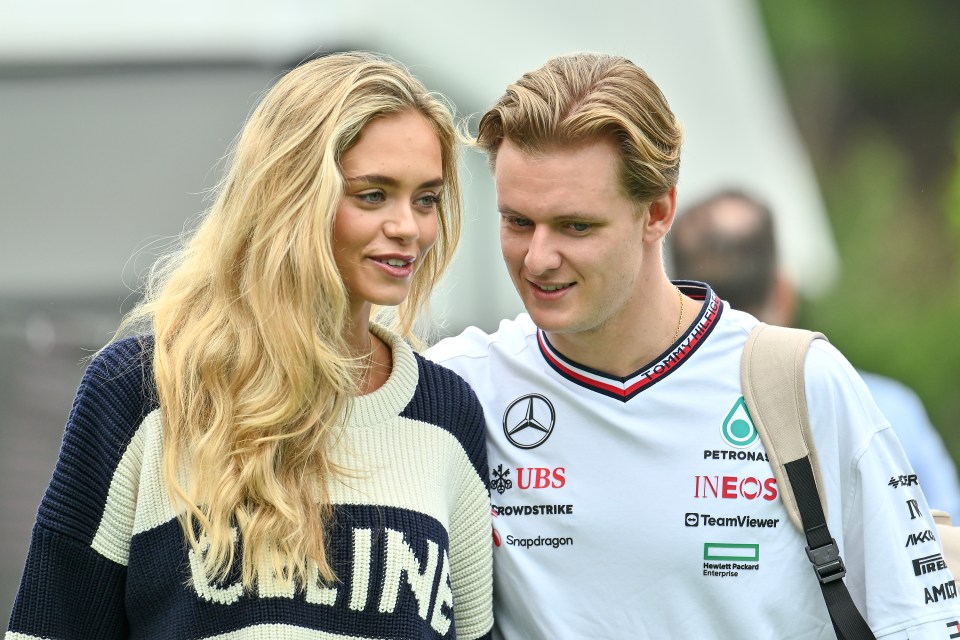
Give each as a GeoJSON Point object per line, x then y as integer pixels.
{"type": "Point", "coordinates": [428, 201]}
{"type": "Point", "coordinates": [372, 197]}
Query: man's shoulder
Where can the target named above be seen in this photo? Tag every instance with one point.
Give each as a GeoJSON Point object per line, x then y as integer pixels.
{"type": "Point", "coordinates": [512, 336]}
{"type": "Point", "coordinates": [826, 362]}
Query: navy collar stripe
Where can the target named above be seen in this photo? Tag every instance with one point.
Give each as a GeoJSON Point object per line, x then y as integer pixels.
{"type": "Point", "coordinates": [627, 387]}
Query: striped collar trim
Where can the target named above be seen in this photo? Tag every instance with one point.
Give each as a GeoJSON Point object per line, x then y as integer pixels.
{"type": "Point", "coordinates": [666, 363]}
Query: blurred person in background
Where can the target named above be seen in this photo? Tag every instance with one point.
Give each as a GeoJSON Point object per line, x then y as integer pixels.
{"type": "Point", "coordinates": [728, 241]}
{"type": "Point", "coordinates": [632, 496]}
{"type": "Point", "coordinates": [261, 459]}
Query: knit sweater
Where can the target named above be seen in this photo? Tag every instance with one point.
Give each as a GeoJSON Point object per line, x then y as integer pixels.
{"type": "Point", "coordinates": [410, 542]}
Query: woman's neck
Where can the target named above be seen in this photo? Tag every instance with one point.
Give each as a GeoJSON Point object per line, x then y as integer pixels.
{"type": "Point", "coordinates": [374, 356]}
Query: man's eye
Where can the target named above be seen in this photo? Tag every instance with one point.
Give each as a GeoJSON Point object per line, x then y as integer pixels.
{"type": "Point", "coordinates": [580, 227]}
{"type": "Point", "coordinates": [520, 222]}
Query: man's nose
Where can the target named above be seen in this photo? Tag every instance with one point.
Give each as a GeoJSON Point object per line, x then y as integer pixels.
{"type": "Point", "coordinates": [542, 254]}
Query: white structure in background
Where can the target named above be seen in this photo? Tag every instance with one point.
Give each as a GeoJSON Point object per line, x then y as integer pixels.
{"type": "Point", "coordinates": [92, 170]}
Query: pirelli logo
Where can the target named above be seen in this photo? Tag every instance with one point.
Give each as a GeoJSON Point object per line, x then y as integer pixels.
{"type": "Point", "coordinates": [929, 564]}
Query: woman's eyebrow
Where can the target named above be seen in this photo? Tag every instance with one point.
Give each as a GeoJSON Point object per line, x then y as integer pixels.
{"type": "Point", "coordinates": [387, 181]}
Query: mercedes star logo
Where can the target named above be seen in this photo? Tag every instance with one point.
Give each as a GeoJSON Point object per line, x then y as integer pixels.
{"type": "Point", "coordinates": [528, 421]}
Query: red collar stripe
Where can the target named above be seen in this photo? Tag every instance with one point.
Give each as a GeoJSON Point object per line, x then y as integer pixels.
{"type": "Point", "coordinates": [627, 387]}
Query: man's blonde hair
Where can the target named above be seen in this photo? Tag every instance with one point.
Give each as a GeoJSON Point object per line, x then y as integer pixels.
{"type": "Point", "coordinates": [587, 96]}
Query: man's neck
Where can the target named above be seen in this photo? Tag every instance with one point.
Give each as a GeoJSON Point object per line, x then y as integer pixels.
{"type": "Point", "coordinates": [627, 344]}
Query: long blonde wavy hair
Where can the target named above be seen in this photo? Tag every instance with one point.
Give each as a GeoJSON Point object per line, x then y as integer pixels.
{"type": "Point", "coordinates": [252, 370]}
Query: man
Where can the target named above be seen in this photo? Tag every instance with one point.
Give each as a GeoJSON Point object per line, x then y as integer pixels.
{"type": "Point", "coordinates": [632, 496]}
{"type": "Point", "coordinates": [728, 240]}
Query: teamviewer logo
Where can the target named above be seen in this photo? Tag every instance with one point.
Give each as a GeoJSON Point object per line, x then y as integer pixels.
{"type": "Point", "coordinates": [692, 519]}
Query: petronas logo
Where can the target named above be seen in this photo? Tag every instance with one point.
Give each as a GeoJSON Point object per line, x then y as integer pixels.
{"type": "Point", "coordinates": [738, 430]}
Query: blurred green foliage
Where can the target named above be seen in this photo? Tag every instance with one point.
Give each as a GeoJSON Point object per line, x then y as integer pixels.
{"type": "Point", "coordinates": [875, 90]}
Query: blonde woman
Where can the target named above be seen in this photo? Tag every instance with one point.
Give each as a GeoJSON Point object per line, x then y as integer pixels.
{"type": "Point", "coordinates": [262, 460]}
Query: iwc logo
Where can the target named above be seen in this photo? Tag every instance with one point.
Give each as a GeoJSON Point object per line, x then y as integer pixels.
{"type": "Point", "coordinates": [528, 421]}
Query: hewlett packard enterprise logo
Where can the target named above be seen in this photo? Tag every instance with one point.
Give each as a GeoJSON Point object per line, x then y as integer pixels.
{"type": "Point", "coordinates": [739, 552]}
{"type": "Point", "coordinates": [730, 559]}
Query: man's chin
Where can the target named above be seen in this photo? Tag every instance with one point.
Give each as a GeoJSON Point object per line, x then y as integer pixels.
{"type": "Point", "coordinates": [550, 322]}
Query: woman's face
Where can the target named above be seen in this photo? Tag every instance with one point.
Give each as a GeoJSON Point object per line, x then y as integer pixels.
{"type": "Point", "coordinates": [387, 220]}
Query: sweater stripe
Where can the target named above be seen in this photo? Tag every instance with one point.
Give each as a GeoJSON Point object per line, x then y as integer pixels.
{"type": "Point", "coordinates": [410, 541]}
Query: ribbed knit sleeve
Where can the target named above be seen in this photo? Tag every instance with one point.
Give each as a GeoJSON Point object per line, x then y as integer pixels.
{"type": "Point", "coordinates": [451, 404]}
{"type": "Point", "coordinates": [68, 589]}
{"type": "Point", "coordinates": [445, 399]}
{"type": "Point", "coordinates": [410, 541]}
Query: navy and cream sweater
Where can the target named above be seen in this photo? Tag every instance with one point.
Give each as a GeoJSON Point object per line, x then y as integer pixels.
{"type": "Point", "coordinates": [410, 544]}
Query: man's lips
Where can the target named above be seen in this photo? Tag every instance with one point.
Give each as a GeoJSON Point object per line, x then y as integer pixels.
{"type": "Point", "coordinates": [550, 287]}
{"type": "Point", "coordinates": [549, 291]}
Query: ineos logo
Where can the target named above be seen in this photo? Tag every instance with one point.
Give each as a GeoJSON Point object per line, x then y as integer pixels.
{"type": "Point", "coordinates": [528, 421]}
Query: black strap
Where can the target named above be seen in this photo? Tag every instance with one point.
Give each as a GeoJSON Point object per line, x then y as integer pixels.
{"type": "Point", "coordinates": [825, 555]}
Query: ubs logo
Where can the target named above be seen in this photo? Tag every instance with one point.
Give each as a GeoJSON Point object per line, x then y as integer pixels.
{"type": "Point", "coordinates": [528, 478]}
{"type": "Point", "coordinates": [529, 421]}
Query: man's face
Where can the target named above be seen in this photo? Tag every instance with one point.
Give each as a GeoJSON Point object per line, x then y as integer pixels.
{"type": "Point", "coordinates": [572, 241]}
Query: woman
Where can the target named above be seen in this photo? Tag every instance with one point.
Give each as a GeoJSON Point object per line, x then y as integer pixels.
{"type": "Point", "coordinates": [263, 461]}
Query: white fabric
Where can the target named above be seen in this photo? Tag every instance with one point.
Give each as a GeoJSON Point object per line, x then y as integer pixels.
{"type": "Point", "coordinates": [594, 525]}
{"type": "Point", "coordinates": [925, 449]}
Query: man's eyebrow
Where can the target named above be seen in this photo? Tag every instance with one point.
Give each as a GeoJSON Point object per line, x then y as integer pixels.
{"type": "Point", "coordinates": [560, 219]}
{"type": "Point", "coordinates": [387, 181]}
{"type": "Point", "coordinates": [580, 217]}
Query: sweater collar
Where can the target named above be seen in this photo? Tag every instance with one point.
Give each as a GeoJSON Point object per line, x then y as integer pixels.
{"type": "Point", "coordinates": [388, 401]}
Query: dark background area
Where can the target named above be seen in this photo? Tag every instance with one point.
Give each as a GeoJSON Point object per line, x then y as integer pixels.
{"type": "Point", "coordinates": [875, 91]}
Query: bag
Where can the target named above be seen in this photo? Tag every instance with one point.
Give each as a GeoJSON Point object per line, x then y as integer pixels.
{"type": "Point", "coordinates": [771, 373]}
{"type": "Point", "coordinates": [949, 539]}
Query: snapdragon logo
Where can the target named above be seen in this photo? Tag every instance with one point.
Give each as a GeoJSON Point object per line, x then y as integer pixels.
{"type": "Point", "coordinates": [539, 541]}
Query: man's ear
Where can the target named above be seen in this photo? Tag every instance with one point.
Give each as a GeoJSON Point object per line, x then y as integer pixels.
{"type": "Point", "coordinates": [660, 216]}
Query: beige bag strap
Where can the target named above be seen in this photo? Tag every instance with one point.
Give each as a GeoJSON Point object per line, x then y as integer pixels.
{"type": "Point", "coordinates": [771, 374]}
